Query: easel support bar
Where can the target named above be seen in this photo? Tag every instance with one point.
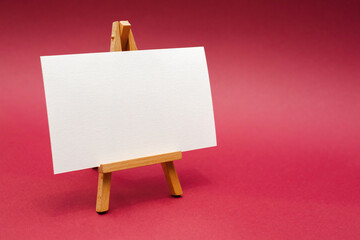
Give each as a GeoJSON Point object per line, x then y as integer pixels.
{"type": "Point", "coordinates": [139, 162]}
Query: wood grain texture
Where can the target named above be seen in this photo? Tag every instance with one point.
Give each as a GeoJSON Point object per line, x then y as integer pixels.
{"type": "Point", "coordinates": [115, 43]}
{"type": "Point", "coordinates": [139, 162]}
{"type": "Point", "coordinates": [172, 178]}
{"type": "Point", "coordinates": [103, 192]}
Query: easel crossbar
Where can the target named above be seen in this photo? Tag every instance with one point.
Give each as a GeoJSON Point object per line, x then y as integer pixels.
{"type": "Point", "coordinates": [139, 162]}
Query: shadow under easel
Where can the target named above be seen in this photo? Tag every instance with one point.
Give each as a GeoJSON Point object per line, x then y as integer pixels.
{"type": "Point", "coordinates": [126, 192]}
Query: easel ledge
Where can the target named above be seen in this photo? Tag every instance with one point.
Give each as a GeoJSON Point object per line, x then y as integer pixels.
{"type": "Point", "coordinates": [122, 39]}
{"type": "Point", "coordinates": [139, 162]}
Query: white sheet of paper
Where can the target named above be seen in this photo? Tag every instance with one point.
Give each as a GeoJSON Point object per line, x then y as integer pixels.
{"type": "Point", "coordinates": [114, 106]}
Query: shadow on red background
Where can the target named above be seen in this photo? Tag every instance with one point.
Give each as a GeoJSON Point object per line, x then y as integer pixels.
{"type": "Point", "coordinates": [285, 83]}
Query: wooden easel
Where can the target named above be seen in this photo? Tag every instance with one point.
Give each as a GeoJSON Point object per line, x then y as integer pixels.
{"type": "Point", "coordinates": [122, 39]}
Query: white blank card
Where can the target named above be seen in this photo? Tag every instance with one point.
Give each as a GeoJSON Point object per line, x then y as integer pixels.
{"type": "Point", "coordinates": [114, 106]}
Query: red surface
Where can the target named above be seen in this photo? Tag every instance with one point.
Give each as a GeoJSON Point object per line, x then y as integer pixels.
{"type": "Point", "coordinates": [285, 82]}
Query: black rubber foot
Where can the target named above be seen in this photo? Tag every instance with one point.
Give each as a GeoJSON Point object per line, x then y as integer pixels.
{"type": "Point", "coordinates": [176, 196]}
{"type": "Point", "coordinates": [102, 213]}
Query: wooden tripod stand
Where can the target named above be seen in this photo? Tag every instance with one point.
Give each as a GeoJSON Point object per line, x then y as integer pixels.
{"type": "Point", "coordinates": [122, 39]}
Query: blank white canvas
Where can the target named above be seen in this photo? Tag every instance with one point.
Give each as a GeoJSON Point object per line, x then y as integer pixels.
{"type": "Point", "coordinates": [114, 106]}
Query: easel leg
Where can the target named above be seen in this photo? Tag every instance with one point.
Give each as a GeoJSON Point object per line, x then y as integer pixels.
{"type": "Point", "coordinates": [103, 192]}
{"type": "Point", "coordinates": [172, 178]}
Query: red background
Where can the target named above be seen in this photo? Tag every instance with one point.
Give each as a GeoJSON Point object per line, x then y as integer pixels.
{"type": "Point", "coordinates": [285, 83]}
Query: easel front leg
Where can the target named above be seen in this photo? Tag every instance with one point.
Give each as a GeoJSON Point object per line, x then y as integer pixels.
{"type": "Point", "coordinates": [172, 178]}
{"type": "Point", "coordinates": [103, 192]}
